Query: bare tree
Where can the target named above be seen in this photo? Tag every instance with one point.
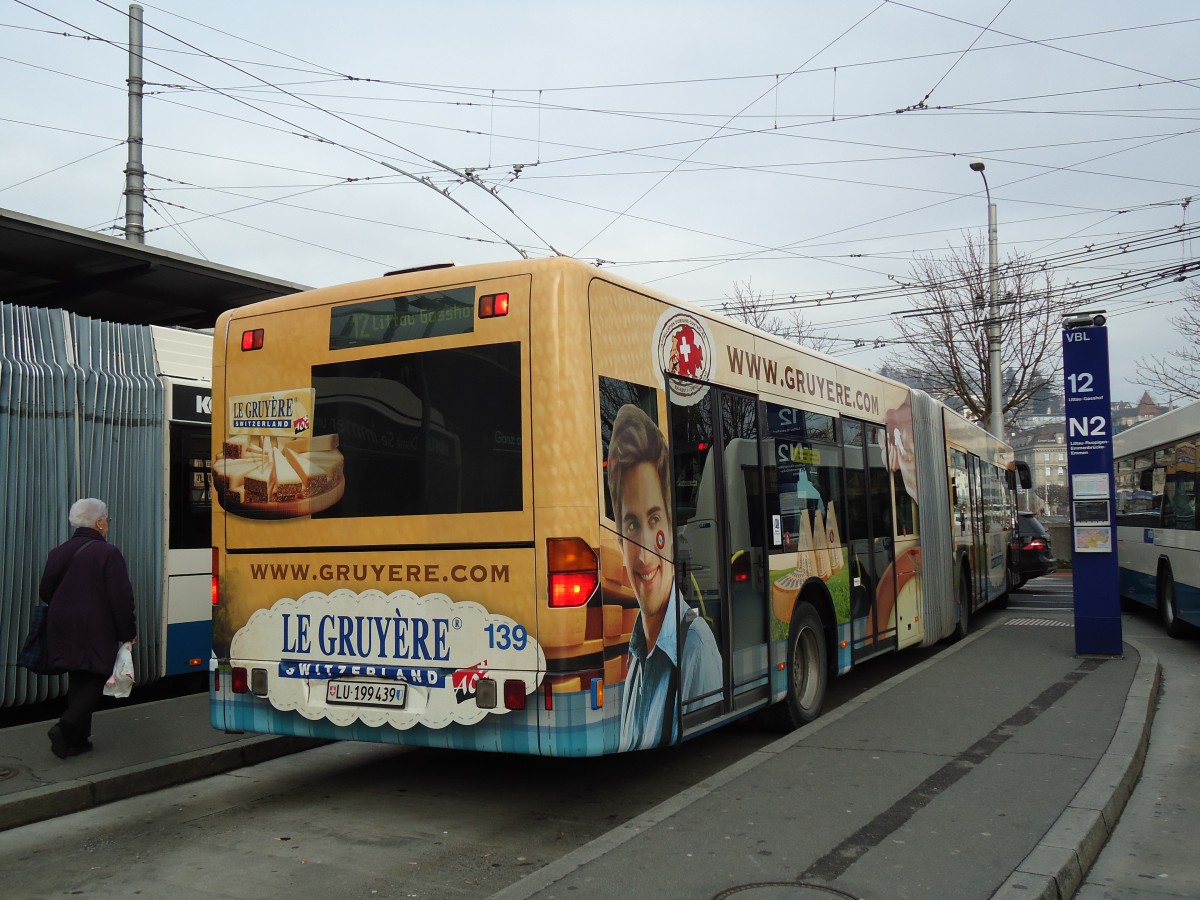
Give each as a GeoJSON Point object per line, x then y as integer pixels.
{"type": "Point", "coordinates": [1177, 374]}
{"type": "Point", "coordinates": [945, 348]}
{"type": "Point", "coordinates": [747, 306]}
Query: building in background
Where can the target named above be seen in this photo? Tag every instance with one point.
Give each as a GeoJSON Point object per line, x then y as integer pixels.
{"type": "Point", "coordinates": [1044, 449]}
{"type": "Point", "coordinates": [1126, 415]}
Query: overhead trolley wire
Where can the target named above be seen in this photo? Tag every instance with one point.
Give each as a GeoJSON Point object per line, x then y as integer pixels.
{"type": "Point", "coordinates": [293, 125]}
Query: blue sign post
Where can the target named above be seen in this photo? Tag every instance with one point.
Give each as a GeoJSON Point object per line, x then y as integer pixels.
{"type": "Point", "coordinates": [1090, 481]}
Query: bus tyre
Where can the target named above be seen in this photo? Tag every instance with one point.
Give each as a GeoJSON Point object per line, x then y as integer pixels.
{"type": "Point", "coordinates": [963, 625]}
{"type": "Point", "coordinates": [1168, 611]}
{"type": "Point", "coordinates": [807, 672]}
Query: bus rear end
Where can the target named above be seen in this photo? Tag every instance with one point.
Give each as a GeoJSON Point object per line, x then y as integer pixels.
{"type": "Point", "coordinates": [377, 570]}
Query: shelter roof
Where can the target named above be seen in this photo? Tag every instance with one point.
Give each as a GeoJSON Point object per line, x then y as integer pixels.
{"type": "Point", "coordinates": [48, 264]}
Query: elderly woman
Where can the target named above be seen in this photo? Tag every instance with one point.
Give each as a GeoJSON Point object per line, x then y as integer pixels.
{"type": "Point", "coordinates": [91, 613]}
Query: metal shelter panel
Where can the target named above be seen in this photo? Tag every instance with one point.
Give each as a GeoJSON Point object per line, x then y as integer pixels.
{"type": "Point", "coordinates": [81, 415]}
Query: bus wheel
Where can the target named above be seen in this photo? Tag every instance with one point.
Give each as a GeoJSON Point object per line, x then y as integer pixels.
{"type": "Point", "coordinates": [964, 612]}
{"type": "Point", "coordinates": [807, 672]}
{"type": "Point", "coordinates": [1168, 611]}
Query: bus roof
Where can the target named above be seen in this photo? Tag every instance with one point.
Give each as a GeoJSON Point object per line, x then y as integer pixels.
{"type": "Point", "coordinates": [1182, 422]}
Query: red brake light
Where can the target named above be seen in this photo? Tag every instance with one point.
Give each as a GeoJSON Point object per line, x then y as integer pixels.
{"type": "Point", "coordinates": [1036, 544]}
{"type": "Point", "coordinates": [574, 572]}
{"type": "Point", "coordinates": [239, 680]}
{"type": "Point", "coordinates": [514, 693]}
{"type": "Point", "coordinates": [252, 340]}
{"type": "Point", "coordinates": [491, 305]}
{"type": "Point", "coordinates": [216, 589]}
{"type": "Point", "coordinates": [571, 588]}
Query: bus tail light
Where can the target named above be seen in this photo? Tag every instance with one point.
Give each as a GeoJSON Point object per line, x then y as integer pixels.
{"type": "Point", "coordinates": [239, 680]}
{"type": "Point", "coordinates": [570, 589]}
{"type": "Point", "coordinates": [574, 572]}
{"type": "Point", "coordinates": [216, 579]}
{"type": "Point", "coordinates": [485, 693]}
{"type": "Point", "coordinates": [493, 305]}
{"type": "Point", "coordinates": [514, 693]}
{"type": "Point", "coordinates": [252, 340]}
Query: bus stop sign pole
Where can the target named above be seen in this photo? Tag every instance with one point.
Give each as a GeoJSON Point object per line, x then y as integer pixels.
{"type": "Point", "coordinates": [1090, 483]}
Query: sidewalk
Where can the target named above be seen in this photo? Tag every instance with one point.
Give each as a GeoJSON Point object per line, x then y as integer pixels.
{"type": "Point", "coordinates": [139, 748]}
{"type": "Point", "coordinates": [996, 769]}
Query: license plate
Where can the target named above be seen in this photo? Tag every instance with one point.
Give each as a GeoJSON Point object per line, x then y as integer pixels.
{"type": "Point", "coordinates": [365, 693]}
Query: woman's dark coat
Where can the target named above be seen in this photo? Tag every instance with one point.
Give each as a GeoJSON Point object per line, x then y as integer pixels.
{"type": "Point", "coordinates": [91, 604]}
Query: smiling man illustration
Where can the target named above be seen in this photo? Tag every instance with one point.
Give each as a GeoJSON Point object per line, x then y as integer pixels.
{"type": "Point", "coordinates": [667, 630]}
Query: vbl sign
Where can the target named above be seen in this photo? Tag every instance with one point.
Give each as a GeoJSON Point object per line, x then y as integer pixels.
{"type": "Point", "coordinates": [1090, 483]}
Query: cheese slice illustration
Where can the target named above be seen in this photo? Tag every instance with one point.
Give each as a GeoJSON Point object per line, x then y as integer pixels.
{"type": "Point", "coordinates": [266, 472]}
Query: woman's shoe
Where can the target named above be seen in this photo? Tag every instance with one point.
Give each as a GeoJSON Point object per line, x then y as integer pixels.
{"type": "Point", "coordinates": [58, 741]}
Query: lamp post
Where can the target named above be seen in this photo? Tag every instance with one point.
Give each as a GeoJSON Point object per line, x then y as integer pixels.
{"type": "Point", "coordinates": [996, 401]}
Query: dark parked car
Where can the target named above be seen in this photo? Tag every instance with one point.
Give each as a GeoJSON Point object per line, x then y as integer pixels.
{"type": "Point", "coordinates": [1036, 557]}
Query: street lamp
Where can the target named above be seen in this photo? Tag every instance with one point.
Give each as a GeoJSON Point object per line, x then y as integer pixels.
{"type": "Point", "coordinates": [996, 423]}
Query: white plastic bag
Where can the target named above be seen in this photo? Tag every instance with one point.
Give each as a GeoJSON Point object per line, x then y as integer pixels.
{"type": "Point", "coordinates": [120, 682]}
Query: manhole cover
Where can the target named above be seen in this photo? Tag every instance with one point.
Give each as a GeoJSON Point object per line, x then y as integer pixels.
{"type": "Point", "coordinates": [783, 890]}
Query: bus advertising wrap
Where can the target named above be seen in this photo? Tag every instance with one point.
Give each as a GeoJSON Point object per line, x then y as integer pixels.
{"type": "Point", "coordinates": [426, 654]}
{"type": "Point", "coordinates": [585, 521]}
{"type": "Point", "coordinates": [271, 465]}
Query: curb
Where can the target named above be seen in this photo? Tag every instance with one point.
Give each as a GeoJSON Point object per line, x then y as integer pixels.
{"type": "Point", "coordinates": [1056, 867]}
{"type": "Point", "coordinates": [49, 801]}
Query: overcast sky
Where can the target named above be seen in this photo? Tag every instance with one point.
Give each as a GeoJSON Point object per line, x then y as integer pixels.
{"type": "Point", "coordinates": [809, 148]}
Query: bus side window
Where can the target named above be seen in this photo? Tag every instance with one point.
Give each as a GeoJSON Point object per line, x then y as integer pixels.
{"type": "Point", "coordinates": [906, 510]}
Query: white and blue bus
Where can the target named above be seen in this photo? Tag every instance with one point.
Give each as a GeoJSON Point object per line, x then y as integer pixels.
{"type": "Point", "coordinates": [1158, 541]}
{"type": "Point", "coordinates": [183, 359]}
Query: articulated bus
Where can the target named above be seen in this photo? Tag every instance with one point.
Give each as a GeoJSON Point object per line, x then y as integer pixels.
{"type": "Point", "coordinates": [532, 507]}
{"type": "Point", "coordinates": [1158, 538]}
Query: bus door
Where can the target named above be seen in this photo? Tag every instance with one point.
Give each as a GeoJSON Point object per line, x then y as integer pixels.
{"type": "Point", "coordinates": [187, 618]}
{"type": "Point", "coordinates": [980, 560]}
{"type": "Point", "coordinates": [969, 538]}
{"type": "Point", "coordinates": [869, 535]}
{"type": "Point", "coordinates": [720, 551]}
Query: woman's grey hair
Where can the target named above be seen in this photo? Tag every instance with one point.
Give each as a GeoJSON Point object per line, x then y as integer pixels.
{"type": "Point", "coordinates": [87, 512]}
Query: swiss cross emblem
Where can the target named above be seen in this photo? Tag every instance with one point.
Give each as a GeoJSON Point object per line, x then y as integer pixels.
{"type": "Point", "coordinates": [683, 346]}
{"type": "Point", "coordinates": [688, 357]}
